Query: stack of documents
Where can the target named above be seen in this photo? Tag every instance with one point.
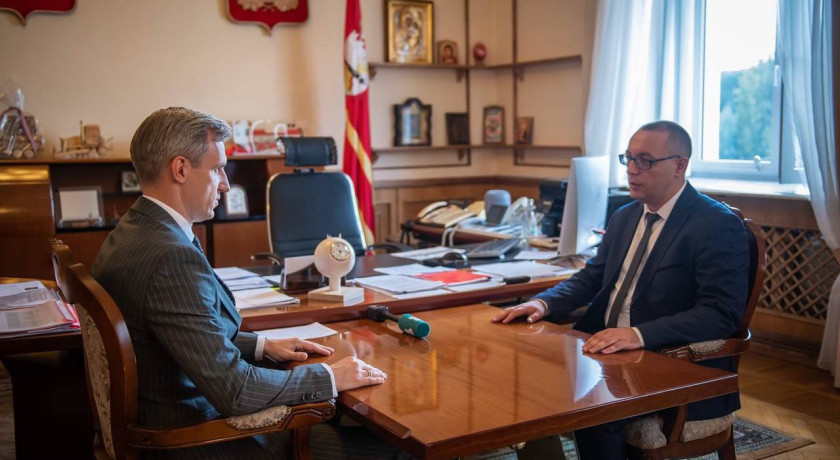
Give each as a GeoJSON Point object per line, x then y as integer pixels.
{"type": "Point", "coordinates": [238, 279]}
{"type": "Point", "coordinates": [397, 284]}
{"type": "Point", "coordinates": [30, 308]}
{"type": "Point", "coordinates": [525, 268]}
{"type": "Point", "coordinates": [262, 297]}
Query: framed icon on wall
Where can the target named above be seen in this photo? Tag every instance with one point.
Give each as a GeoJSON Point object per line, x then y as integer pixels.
{"type": "Point", "coordinates": [410, 27]}
{"type": "Point", "coordinates": [412, 123]}
{"type": "Point", "coordinates": [494, 125]}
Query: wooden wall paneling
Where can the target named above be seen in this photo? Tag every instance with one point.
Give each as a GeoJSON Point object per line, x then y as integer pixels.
{"type": "Point", "coordinates": [776, 212]}
{"type": "Point", "coordinates": [26, 257]}
{"type": "Point", "coordinates": [27, 221]}
{"type": "Point", "coordinates": [234, 242]}
{"type": "Point", "coordinates": [787, 326]}
{"type": "Point", "coordinates": [384, 209]}
{"type": "Point", "coordinates": [84, 244]}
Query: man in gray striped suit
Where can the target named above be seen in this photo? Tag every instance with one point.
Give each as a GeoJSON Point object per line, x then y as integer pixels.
{"type": "Point", "coordinates": [193, 361]}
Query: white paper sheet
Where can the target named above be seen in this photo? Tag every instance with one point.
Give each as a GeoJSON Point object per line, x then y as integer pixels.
{"type": "Point", "coordinates": [309, 331]}
{"type": "Point", "coordinates": [397, 284]}
{"type": "Point", "coordinates": [536, 255]}
{"type": "Point", "coordinates": [525, 268]}
{"type": "Point", "coordinates": [262, 297]}
{"type": "Point", "coordinates": [233, 273]}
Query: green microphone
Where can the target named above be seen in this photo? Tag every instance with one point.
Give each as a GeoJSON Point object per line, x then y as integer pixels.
{"type": "Point", "coordinates": [409, 324]}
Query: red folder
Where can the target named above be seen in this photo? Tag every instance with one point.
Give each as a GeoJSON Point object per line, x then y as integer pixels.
{"type": "Point", "coordinates": [453, 277]}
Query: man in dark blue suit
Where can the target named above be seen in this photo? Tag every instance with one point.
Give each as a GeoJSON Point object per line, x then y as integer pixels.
{"type": "Point", "coordinates": [671, 270]}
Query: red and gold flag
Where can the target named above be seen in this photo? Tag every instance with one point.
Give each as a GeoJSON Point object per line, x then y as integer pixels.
{"type": "Point", "coordinates": [357, 162]}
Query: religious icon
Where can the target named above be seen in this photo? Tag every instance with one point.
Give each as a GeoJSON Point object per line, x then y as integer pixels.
{"type": "Point", "coordinates": [410, 31]}
{"type": "Point", "coordinates": [494, 125]}
{"type": "Point", "coordinates": [524, 130]}
{"type": "Point", "coordinates": [447, 52]}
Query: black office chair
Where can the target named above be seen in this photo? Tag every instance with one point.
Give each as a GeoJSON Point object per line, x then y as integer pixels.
{"type": "Point", "coordinates": [306, 206]}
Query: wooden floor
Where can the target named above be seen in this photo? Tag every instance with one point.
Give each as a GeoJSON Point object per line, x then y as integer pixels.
{"type": "Point", "coordinates": [796, 399]}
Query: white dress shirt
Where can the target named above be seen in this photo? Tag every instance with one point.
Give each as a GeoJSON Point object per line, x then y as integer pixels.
{"type": "Point", "coordinates": [664, 212]}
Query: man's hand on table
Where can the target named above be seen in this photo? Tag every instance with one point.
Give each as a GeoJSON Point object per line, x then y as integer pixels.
{"type": "Point", "coordinates": [612, 340]}
{"type": "Point", "coordinates": [533, 309]}
{"type": "Point", "coordinates": [352, 372]}
{"type": "Point", "coordinates": [293, 349]}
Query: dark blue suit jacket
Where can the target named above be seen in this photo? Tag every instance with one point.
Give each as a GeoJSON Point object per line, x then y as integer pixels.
{"type": "Point", "coordinates": [692, 288]}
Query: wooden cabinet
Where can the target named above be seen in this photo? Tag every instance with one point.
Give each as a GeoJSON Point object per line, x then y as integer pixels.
{"type": "Point", "coordinates": [28, 212]}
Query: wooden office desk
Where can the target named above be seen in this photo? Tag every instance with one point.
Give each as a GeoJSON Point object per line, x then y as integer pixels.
{"type": "Point", "coordinates": [318, 310]}
{"type": "Point", "coordinates": [475, 385]}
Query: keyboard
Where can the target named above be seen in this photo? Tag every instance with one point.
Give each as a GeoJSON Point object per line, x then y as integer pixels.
{"type": "Point", "coordinates": [492, 249]}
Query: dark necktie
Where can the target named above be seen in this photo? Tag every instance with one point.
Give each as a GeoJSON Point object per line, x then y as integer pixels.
{"type": "Point", "coordinates": [650, 218]}
{"type": "Point", "coordinates": [197, 244]}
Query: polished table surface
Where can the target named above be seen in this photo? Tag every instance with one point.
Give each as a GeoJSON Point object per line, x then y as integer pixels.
{"type": "Point", "coordinates": [319, 310]}
{"type": "Point", "coordinates": [473, 385]}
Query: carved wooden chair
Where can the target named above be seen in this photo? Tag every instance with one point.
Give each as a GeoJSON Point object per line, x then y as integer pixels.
{"type": "Point", "coordinates": [112, 382]}
{"type": "Point", "coordinates": [656, 437]}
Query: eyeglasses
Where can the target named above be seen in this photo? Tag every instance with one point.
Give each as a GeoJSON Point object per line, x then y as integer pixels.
{"type": "Point", "coordinates": [642, 163]}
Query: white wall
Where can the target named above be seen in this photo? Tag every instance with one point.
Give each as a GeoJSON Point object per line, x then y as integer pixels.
{"type": "Point", "coordinates": [112, 62]}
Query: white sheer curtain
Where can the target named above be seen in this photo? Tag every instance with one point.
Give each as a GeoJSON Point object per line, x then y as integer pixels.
{"type": "Point", "coordinates": [805, 58]}
{"type": "Point", "coordinates": [645, 66]}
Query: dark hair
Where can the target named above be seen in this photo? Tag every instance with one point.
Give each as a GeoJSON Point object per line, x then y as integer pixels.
{"type": "Point", "coordinates": [679, 142]}
{"type": "Point", "coordinates": [167, 133]}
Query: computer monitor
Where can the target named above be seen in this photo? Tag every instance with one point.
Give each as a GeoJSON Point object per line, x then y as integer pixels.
{"type": "Point", "coordinates": [586, 205]}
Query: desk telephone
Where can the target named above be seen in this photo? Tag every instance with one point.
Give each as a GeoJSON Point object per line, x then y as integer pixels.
{"type": "Point", "coordinates": [447, 215]}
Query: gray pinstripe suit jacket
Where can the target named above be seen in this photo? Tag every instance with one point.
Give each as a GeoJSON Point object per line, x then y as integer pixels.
{"type": "Point", "coordinates": [191, 356]}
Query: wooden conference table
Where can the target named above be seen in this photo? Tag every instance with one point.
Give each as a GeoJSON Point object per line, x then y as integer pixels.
{"type": "Point", "coordinates": [473, 385]}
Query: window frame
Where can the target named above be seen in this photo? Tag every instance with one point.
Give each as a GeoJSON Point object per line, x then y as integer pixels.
{"type": "Point", "coordinates": [780, 168]}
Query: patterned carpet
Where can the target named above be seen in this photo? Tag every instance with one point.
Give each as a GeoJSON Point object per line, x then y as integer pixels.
{"type": "Point", "coordinates": [752, 441]}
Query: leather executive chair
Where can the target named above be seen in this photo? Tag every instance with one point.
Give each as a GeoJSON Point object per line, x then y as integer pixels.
{"type": "Point", "coordinates": [656, 437]}
{"type": "Point", "coordinates": [305, 206]}
{"type": "Point", "coordinates": [111, 371]}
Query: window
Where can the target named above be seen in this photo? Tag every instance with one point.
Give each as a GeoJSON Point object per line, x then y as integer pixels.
{"type": "Point", "coordinates": [740, 113]}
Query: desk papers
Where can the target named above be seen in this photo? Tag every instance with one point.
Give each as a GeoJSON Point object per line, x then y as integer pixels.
{"type": "Point", "coordinates": [536, 255]}
{"type": "Point", "coordinates": [525, 268]}
{"type": "Point", "coordinates": [396, 284]}
{"type": "Point", "coordinates": [262, 297]}
{"type": "Point", "coordinates": [27, 294]}
{"type": "Point", "coordinates": [309, 331]}
{"type": "Point", "coordinates": [237, 279]}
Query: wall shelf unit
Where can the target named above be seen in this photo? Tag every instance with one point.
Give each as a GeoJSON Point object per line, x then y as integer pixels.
{"type": "Point", "coordinates": [462, 73]}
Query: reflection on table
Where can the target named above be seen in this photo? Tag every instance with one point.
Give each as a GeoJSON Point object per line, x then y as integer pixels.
{"type": "Point", "coordinates": [474, 385]}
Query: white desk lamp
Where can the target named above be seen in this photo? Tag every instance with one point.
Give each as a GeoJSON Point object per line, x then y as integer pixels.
{"type": "Point", "coordinates": [334, 258]}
